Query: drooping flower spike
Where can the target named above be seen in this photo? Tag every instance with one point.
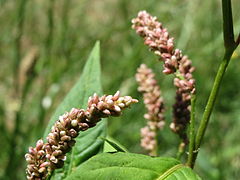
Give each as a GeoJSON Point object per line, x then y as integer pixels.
{"type": "Point", "coordinates": [46, 157]}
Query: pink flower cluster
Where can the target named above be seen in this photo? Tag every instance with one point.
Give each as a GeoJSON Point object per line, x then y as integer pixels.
{"type": "Point", "coordinates": [154, 104]}
{"type": "Point", "coordinates": [148, 141]}
{"type": "Point", "coordinates": [157, 38]}
{"type": "Point", "coordinates": [46, 157]}
{"type": "Point", "coordinates": [182, 108]}
{"type": "Point", "coordinates": [184, 80]}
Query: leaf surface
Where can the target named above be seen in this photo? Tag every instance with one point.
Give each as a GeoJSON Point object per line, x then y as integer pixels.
{"type": "Point", "coordinates": [121, 166]}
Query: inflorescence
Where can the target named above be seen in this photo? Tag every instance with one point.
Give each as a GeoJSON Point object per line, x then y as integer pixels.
{"type": "Point", "coordinates": [157, 38]}
{"type": "Point", "coordinates": [46, 157]}
{"type": "Point", "coordinates": [155, 106]}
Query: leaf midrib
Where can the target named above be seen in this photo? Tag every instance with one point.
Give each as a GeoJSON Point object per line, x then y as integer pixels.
{"type": "Point", "coordinates": [128, 167]}
{"type": "Point", "coordinates": [170, 171]}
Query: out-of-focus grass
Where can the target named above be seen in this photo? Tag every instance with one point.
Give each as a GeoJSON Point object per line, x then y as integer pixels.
{"type": "Point", "coordinates": [64, 32]}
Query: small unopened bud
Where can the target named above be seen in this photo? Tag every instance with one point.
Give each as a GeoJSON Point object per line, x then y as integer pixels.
{"type": "Point", "coordinates": [116, 96]}
{"type": "Point", "coordinates": [42, 169]}
{"type": "Point", "coordinates": [65, 138]}
{"type": "Point", "coordinates": [62, 133]}
{"type": "Point", "coordinates": [45, 164]}
{"type": "Point", "coordinates": [117, 108]}
{"type": "Point", "coordinates": [74, 123]}
{"type": "Point", "coordinates": [106, 111]}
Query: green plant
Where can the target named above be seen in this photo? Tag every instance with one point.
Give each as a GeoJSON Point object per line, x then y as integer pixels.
{"type": "Point", "coordinates": [90, 157]}
{"type": "Point", "coordinates": [46, 157]}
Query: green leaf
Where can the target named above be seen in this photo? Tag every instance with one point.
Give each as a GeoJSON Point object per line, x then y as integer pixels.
{"type": "Point", "coordinates": [112, 145]}
{"type": "Point", "coordinates": [122, 166]}
{"type": "Point", "coordinates": [87, 143]}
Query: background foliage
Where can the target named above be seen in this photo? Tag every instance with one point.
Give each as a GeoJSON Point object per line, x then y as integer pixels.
{"type": "Point", "coordinates": [56, 37]}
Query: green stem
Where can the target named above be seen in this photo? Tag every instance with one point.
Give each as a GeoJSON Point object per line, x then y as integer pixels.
{"type": "Point", "coordinates": [192, 131]}
{"type": "Point", "coordinates": [228, 32]}
{"type": "Point", "coordinates": [230, 46]}
{"type": "Point", "coordinates": [210, 105]}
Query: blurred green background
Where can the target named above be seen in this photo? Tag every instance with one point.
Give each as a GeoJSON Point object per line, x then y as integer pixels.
{"type": "Point", "coordinates": [44, 45]}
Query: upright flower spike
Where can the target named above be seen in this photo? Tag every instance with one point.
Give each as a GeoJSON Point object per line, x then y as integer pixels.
{"type": "Point", "coordinates": [157, 38]}
{"type": "Point", "coordinates": [155, 106]}
{"type": "Point", "coordinates": [46, 157]}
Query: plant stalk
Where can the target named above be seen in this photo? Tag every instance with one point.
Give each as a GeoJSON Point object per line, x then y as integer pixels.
{"type": "Point", "coordinates": [228, 32]}
{"type": "Point", "coordinates": [230, 46]}
{"type": "Point", "coordinates": [210, 104]}
{"type": "Point", "coordinates": [192, 131]}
